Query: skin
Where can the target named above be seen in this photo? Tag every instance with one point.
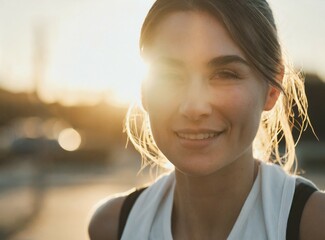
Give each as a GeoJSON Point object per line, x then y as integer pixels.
{"type": "Point", "coordinates": [205, 103]}
{"type": "Point", "coordinates": [190, 91]}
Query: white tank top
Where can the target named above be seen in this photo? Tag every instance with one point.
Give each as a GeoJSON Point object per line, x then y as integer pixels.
{"type": "Point", "coordinates": [264, 214]}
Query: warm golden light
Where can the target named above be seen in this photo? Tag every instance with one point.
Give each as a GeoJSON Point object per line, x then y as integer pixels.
{"type": "Point", "coordinates": [128, 88]}
{"type": "Point", "coordinates": [69, 139]}
{"type": "Point", "coordinates": [84, 52]}
{"type": "Point", "coordinates": [91, 62]}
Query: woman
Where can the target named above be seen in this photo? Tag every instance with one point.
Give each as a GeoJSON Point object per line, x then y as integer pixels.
{"type": "Point", "coordinates": [217, 100]}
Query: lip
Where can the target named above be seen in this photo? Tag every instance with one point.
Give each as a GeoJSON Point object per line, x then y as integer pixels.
{"type": "Point", "coordinates": [197, 138]}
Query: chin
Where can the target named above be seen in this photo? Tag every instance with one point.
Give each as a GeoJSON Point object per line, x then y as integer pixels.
{"type": "Point", "coordinates": [199, 168]}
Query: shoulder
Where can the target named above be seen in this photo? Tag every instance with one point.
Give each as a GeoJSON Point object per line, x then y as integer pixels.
{"type": "Point", "coordinates": [105, 219]}
{"type": "Point", "coordinates": [313, 218]}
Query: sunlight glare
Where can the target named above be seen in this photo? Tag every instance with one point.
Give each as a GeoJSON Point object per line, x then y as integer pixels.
{"type": "Point", "coordinates": [128, 89]}
{"type": "Point", "coordinates": [97, 51]}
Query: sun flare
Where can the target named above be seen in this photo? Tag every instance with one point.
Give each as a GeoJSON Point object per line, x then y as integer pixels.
{"type": "Point", "coordinates": [97, 52]}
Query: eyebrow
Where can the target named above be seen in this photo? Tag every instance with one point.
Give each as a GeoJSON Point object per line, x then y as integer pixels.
{"type": "Point", "coordinates": [215, 62]}
{"type": "Point", "coordinates": [227, 59]}
{"type": "Point", "coordinates": [168, 61]}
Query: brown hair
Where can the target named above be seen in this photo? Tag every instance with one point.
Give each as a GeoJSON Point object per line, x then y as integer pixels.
{"type": "Point", "coordinates": [251, 25]}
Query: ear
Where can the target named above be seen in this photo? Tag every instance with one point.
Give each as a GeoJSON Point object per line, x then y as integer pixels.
{"type": "Point", "coordinates": [271, 98]}
{"type": "Point", "coordinates": [273, 92]}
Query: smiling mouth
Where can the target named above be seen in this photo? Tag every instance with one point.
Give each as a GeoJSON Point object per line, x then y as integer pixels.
{"type": "Point", "coordinates": [197, 136]}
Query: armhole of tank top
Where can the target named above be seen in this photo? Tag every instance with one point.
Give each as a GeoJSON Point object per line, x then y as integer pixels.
{"type": "Point", "coordinates": [302, 193]}
{"type": "Point", "coordinates": [126, 209]}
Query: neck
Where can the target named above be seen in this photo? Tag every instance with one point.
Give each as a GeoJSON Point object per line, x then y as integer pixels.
{"type": "Point", "coordinates": [209, 205]}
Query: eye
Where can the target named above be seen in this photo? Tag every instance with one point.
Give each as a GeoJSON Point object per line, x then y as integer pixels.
{"type": "Point", "coordinates": [225, 75]}
{"type": "Point", "coordinates": [166, 77]}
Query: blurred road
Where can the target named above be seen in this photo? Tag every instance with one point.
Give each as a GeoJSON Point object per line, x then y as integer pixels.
{"type": "Point", "coordinates": [66, 208]}
{"type": "Point", "coordinates": [67, 196]}
{"type": "Point", "coordinates": [54, 202]}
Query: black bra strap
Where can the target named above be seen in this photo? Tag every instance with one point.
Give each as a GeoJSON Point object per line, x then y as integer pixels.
{"type": "Point", "coordinates": [126, 208]}
{"type": "Point", "coordinates": [302, 193]}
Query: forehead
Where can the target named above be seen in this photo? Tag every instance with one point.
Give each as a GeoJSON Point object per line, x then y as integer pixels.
{"type": "Point", "coordinates": [191, 36]}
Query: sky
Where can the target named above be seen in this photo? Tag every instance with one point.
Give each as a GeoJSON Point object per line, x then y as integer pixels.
{"type": "Point", "coordinates": [84, 51]}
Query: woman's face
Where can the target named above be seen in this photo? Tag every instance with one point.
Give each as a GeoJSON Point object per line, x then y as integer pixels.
{"type": "Point", "coordinates": [203, 98]}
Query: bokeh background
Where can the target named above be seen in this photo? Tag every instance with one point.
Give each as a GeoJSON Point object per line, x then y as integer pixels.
{"type": "Point", "coordinates": [68, 71]}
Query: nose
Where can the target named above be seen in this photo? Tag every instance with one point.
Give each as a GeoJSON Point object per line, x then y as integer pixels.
{"type": "Point", "coordinates": [195, 104]}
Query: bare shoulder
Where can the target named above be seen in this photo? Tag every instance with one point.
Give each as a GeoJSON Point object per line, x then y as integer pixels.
{"type": "Point", "coordinates": [313, 218]}
{"type": "Point", "coordinates": [105, 219]}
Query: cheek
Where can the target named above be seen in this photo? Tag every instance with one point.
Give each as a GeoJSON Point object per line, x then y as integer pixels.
{"type": "Point", "coordinates": [160, 101]}
{"type": "Point", "coordinates": [161, 107]}
{"type": "Point", "coordinates": [243, 107]}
